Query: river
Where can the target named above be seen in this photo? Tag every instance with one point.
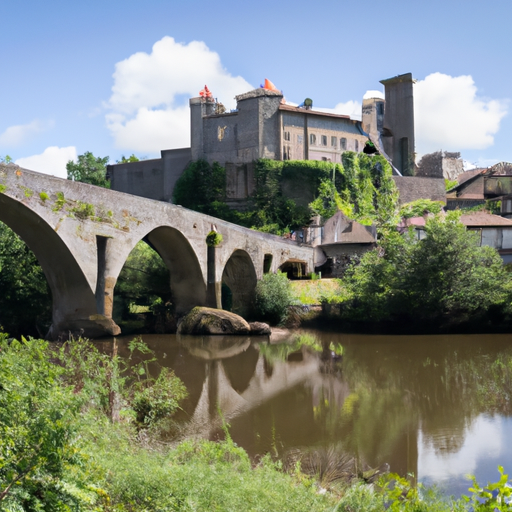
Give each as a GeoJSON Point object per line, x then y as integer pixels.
{"type": "Point", "coordinates": [438, 407]}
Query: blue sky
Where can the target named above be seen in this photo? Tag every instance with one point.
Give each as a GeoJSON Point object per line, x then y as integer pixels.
{"type": "Point", "coordinates": [114, 77]}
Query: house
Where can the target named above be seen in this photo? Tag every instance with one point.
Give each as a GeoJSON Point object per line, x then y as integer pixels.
{"type": "Point", "coordinates": [477, 186]}
{"type": "Point", "coordinates": [341, 240]}
{"type": "Point", "coordinates": [493, 230]}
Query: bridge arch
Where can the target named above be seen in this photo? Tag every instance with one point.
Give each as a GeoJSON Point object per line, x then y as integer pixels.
{"type": "Point", "coordinates": [188, 287]}
{"type": "Point", "coordinates": [239, 275]}
{"type": "Point", "coordinates": [74, 300]}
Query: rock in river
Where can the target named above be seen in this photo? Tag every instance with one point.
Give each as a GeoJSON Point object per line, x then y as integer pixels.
{"type": "Point", "coordinates": [212, 321]}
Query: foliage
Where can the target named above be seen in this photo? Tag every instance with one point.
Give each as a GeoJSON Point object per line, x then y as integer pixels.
{"type": "Point", "coordinates": [128, 160]}
{"type": "Point", "coordinates": [213, 239]}
{"type": "Point", "coordinates": [65, 453]}
{"type": "Point", "coordinates": [152, 398]}
{"type": "Point", "coordinates": [25, 298]}
{"type": "Point", "coordinates": [273, 296]}
{"type": "Point", "coordinates": [446, 274]}
{"type": "Point", "coordinates": [144, 281]}
{"type": "Point", "coordinates": [5, 159]}
{"type": "Point", "coordinates": [37, 428]}
{"type": "Point", "coordinates": [89, 169]}
{"type": "Point", "coordinates": [420, 207]}
{"type": "Point", "coordinates": [449, 184]}
{"type": "Point", "coordinates": [201, 187]}
{"type": "Point", "coordinates": [287, 193]}
{"type": "Point", "coordinates": [495, 497]}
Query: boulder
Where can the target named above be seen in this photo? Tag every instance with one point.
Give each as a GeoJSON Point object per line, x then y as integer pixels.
{"type": "Point", "coordinates": [260, 329]}
{"type": "Point", "coordinates": [212, 321]}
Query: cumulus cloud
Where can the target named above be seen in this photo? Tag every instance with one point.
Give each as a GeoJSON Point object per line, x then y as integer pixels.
{"type": "Point", "coordinates": [21, 133]}
{"type": "Point", "coordinates": [449, 114]}
{"type": "Point", "coordinates": [149, 102]}
{"type": "Point", "coordinates": [350, 108]}
{"type": "Point", "coordinates": [52, 160]}
{"type": "Point", "coordinates": [373, 94]}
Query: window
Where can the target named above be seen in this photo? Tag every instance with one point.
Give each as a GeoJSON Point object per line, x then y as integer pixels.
{"type": "Point", "coordinates": [286, 135]}
{"type": "Point", "coordinates": [380, 109]}
{"type": "Point", "coordinates": [324, 140]}
{"type": "Point", "coordinates": [300, 139]}
{"type": "Point", "coordinates": [334, 141]}
{"type": "Point", "coordinates": [343, 143]}
{"type": "Point", "coordinates": [286, 152]}
{"type": "Point", "coordinates": [312, 139]}
{"type": "Point", "coordinates": [357, 146]}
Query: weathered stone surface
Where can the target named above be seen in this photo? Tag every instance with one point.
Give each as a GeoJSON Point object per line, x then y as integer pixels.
{"type": "Point", "coordinates": [203, 320]}
{"type": "Point", "coordinates": [260, 328]}
{"type": "Point", "coordinates": [82, 255]}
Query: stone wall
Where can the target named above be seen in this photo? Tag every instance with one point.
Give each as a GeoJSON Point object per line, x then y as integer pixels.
{"type": "Point", "coordinates": [412, 188]}
{"type": "Point", "coordinates": [152, 179]}
{"type": "Point", "coordinates": [440, 164]}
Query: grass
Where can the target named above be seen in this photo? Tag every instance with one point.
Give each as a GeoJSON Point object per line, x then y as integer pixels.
{"type": "Point", "coordinates": [311, 292]}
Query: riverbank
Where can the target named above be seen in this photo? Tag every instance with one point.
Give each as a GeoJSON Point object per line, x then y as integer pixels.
{"type": "Point", "coordinates": [90, 451]}
{"type": "Point", "coordinates": [323, 310]}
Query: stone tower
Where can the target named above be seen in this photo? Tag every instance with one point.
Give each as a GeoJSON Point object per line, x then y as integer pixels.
{"type": "Point", "coordinates": [398, 129]}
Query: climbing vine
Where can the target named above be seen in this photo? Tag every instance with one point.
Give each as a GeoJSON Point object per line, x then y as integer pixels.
{"type": "Point", "coordinates": [288, 193]}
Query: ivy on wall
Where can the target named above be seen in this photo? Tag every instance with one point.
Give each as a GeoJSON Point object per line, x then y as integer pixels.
{"type": "Point", "coordinates": [288, 193]}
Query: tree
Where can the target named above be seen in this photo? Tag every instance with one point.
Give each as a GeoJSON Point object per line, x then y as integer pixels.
{"type": "Point", "coordinates": [89, 169]}
{"type": "Point", "coordinates": [273, 296]}
{"type": "Point", "coordinates": [445, 275]}
{"type": "Point", "coordinates": [144, 281]}
{"type": "Point", "coordinates": [5, 159]}
{"type": "Point", "coordinates": [36, 429]}
{"type": "Point", "coordinates": [201, 187]}
{"type": "Point", "coordinates": [25, 300]}
{"type": "Point", "coordinates": [128, 160]}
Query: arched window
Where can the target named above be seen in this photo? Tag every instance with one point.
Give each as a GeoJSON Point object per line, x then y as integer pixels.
{"type": "Point", "coordinates": [343, 143]}
{"type": "Point", "coordinates": [312, 139]}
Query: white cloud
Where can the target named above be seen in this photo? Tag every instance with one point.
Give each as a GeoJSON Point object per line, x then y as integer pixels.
{"type": "Point", "coordinates": [449, 115]}
{"type": "Point", "coordinates": [373, 94]}
{"type": "Point", "coordinates": [19, 134]}
{"type": "Point", "coordinates": [149, 103]}
{"type": "Point", "coordinates": [53, 160]}
{"type": "Point", "coordinates": [350, 108]}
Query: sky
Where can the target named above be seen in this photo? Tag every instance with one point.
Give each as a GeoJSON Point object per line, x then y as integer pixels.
{"type": "Point", "coordinates": [114, 78]}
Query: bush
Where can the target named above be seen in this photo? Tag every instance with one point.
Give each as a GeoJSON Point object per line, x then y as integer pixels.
{"type": "Point", "coordinates": [273, 296]}
{"type": "Point", "coordinates": [445, 275]}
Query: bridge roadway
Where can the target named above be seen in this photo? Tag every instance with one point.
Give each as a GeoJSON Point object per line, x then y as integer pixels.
{"type": "Point", "coordinates": [82, 235]}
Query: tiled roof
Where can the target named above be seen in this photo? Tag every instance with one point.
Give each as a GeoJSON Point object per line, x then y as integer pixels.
{"type": "Point", "coordinates": [310, 112]}
{"type": "Point", "coordinates": [481, 219]}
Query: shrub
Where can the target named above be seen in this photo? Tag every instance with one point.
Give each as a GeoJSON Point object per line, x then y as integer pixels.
{"type": "Point", "coordinates": [273, 296]}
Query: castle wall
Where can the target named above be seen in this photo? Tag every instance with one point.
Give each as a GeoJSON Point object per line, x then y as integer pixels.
{"type": "Point", "coordinates": [412, 188]}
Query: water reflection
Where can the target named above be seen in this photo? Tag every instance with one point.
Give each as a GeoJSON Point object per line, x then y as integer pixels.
{"type": "Point", "coordinates": [423, 404]}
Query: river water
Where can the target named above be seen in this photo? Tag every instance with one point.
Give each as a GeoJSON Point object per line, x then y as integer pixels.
{"type": "Point", "coordinates": [438, 407]}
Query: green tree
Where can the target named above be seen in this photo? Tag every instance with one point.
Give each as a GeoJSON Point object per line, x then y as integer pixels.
{"type": "Point", "coordinates": [36, 429]}
{"type": "Point", "coordinates": [273, 296]}
{"type": "Point", "coordinates": [5, 159]}
{"type": "Point", "coordinates": [127, 160]}
{"type": "Point", "coordinates": [89, 169]}
{"type": "Point", "coordinates": [446, 275]}
{"type": "Point", "coordinates": [202, 187]}
{"type": "Point", "coordinates": [144, 281]}
{"type": "Point", "coordinates": [25, 298]}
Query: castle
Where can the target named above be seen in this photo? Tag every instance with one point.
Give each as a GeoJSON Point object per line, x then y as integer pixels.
{"type": "Point", "coordinates": [264, 126]}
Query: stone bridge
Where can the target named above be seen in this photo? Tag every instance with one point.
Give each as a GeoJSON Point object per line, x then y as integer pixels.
{"type": "Point", "coordinates": [82, 235]}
